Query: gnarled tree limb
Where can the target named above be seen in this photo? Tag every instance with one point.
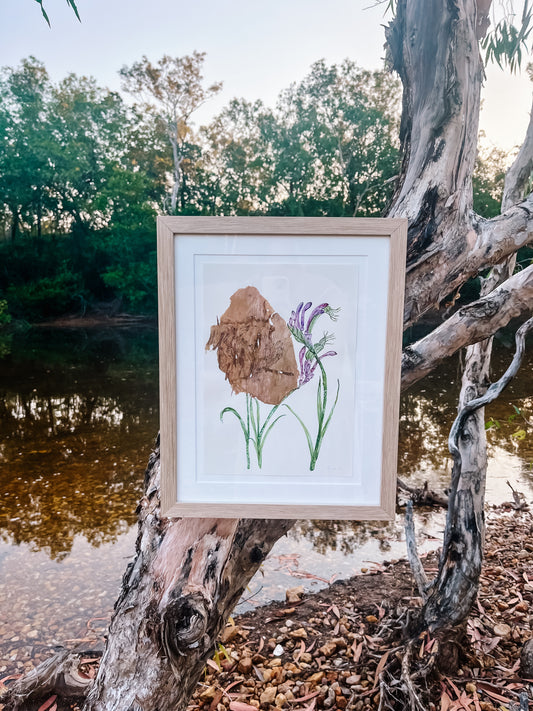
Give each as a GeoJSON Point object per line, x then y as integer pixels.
{"type": "Point", "coordinates": [470, 324]}
{"type": "Point", "coordinates": [453, 590]}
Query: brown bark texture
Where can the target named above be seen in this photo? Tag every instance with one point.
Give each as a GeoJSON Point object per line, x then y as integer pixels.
{"type": "Point", "coordinates": [254, 348]}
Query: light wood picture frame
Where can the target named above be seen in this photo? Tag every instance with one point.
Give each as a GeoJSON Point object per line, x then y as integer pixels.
{"type": "Point", "coordinates": [280, 350]}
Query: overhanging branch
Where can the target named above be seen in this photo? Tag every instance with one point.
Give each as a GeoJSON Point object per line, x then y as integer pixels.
{"type": "Point", "coordinates": [470, 324]}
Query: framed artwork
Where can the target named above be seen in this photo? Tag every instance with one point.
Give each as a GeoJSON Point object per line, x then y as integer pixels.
{"type": "Point", "coordinates": [280, 348]}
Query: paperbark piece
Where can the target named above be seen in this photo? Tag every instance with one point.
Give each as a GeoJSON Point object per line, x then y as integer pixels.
{"type": "Point", "coordinates": [254, 348]}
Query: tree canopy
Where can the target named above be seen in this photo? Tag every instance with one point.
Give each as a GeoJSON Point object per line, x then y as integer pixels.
{"type": "Point", "coordinates": [86, 170]}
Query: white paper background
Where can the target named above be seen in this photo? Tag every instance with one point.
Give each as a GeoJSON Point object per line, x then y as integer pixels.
{"type": "Point", "coordinates": [286, 271]}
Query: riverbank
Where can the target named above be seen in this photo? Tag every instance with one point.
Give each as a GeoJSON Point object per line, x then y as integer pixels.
{"type": "Point", "coordinates": [336, 649]}
{"type": "Point", "coordinates": [98, 321]}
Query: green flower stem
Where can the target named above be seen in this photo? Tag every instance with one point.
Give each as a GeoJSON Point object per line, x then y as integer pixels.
{"type": "Point", "coordinates": [321, 410]}
{"type": "Point", "coordinates": [252, 429]}
{"type": "Point", "coordinates": [248, 431]}
{"type": "Point", "coordinates": [321, 407]}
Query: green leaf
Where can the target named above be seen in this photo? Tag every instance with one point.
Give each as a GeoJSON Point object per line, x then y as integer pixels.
{"type": "Point", "coordinates": [319, 402]}
{"type": "Point", "coordinates": [268, 430]}
{"type": "Point", "coordinates": [308, 436]}
{"type": "Point", "coordinates": [272, 411]}
{"type": "Point", "coordinates": [519, 435]}
{"type": "Point", "coordinates": [492, 424]}
{"type": "Point", "coordinates": [332, 410]}
{"type": "Point", "coordinates": [73, 6]}
{"type": "Point", "coordinates": [40, 2]}
{"type": "Point", "coordinates": [234, 412]}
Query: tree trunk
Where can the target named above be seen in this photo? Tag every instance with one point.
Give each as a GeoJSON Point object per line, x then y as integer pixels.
{"type": "Point", "coordinates": [187, 576]}
{"type": "Point", "coordinates": [434, 47]}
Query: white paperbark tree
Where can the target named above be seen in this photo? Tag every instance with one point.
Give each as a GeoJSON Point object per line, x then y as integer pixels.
{"type": "Point", "coordinates": [171, 91]}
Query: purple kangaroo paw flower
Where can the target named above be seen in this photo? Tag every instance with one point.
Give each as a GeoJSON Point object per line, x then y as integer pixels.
{"type": "Point", "coordinates": [316, 312]}
{"type": "Point", "coordinates": [302, 315]}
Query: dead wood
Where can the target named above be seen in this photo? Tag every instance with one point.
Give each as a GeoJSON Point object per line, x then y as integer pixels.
{"type": "Point", "coordinates": [60, 674]}
{"type": "Point", "coordinates": [423, 495]}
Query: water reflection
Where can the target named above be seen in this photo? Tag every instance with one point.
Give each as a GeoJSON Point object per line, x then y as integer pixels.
{"type": "Point", "coordinates": [79, 411]}
{"type": "Point", "coordinates": [78, 414]}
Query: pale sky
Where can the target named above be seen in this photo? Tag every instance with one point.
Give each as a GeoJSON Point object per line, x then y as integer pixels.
{"type": "Point", "coordinates": [256, 48]}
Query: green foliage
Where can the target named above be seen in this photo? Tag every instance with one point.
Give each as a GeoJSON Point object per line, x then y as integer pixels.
{"type": "Point", "coordinates": [5, 316]}
{"type": "Point", "coordinates": [46, 296]}
{"type": "Point", "coordinates": [70, 3]}
{"type": "Point", "coordinates": [82, 174]}
{"type": "Point", "coordinates": [329, 148]}
{"type": "Point", "coordinates": [488, 181]}
{"type": "Point", "coordinates": [506, 43]}
{"type": "Point", "coordinates": [169, 92]}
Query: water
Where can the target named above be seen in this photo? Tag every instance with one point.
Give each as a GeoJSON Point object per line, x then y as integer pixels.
{"type": "Point", "coordinates": [78, 418]}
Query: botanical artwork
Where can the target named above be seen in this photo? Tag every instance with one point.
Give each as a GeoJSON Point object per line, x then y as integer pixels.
{"type": "Point", "coordinates": [255, 349]}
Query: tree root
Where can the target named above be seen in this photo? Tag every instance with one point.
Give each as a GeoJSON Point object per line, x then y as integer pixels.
{"type": "Point", "coordinates": [60, 674]}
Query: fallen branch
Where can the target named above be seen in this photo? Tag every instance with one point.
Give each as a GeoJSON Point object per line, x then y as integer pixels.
{"type": "Point", "coordinates": [60, 674]}
{"type": "Point", "coordinates": [423, 495]}
{"type": "Point", "coordinates": [412, 552]}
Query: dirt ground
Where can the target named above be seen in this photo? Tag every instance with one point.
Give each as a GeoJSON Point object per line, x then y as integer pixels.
{"type": "Point", "coordinates": [343, 648]}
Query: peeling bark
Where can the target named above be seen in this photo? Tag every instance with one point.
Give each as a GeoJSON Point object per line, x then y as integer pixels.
{"type": "Point", "coordinates": [187, 576]}
{"type": "Point", "coordinates": [455, 587]}
{"type": "Point", "coordinates": [254, 348]}
{"type": "Point", "coordinates": [447, 243]}
{"type": "Point", "coordinates": [470, 324]}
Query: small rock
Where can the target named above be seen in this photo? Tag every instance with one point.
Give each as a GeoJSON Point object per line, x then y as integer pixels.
{"type": "Point", "coordinates": [280, 700]}
{"type": "Point", "coordinates": [294, 594]}
{"type": "Point", "coordinates": [229, 633]}
{"type": "Point", "coordinates": [245, 665]}
{"type": "Point", "coordinates": [371, 618]}
{"type": "Point", "coordinates": [294, 669]}
{"type": "Point", "coordinates": [340, 642]}
{"type": "Point", "coordinates": [268, 696]}
{"type": "Point", "coordinates": [328, 649]}
{"type": "Point", "coordinates": [209, 693]}
{"type": "Point", "coordinates": [267, 674]}
{"type": "Point", "coordinates": [278, 650]}
{"type": "Point", "coordinates": [354, 679]}
{"type": "Point", "coordinates": [341, 702]}
{"type": "Point", "coordinates": [300, 633]}
{"type": "Point", "coordinates": [316, 678]}
{"type": "Point", "coordinates": [501, 629]}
